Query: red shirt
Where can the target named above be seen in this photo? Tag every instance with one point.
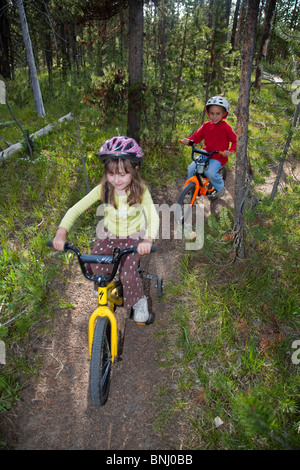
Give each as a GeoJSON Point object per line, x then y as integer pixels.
{"type": "Point", "coordinates": [216, 137]}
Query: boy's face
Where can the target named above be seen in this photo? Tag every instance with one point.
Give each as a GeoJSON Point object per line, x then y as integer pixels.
{"type": "Point", "coordinates": [216, 113]}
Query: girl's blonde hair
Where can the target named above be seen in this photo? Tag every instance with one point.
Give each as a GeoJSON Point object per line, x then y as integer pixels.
{"type": "Point", "coordinates": [136, 188]}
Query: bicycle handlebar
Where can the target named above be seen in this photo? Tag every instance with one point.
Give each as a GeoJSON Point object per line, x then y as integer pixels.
{"type": "Point", "coordinates": [201, 151]}
{"type": "Point", "coordinates": [100, 259]}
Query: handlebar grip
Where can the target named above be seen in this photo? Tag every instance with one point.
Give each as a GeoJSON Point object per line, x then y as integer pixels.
{"type": "Point", "coordinates": [191, 142]}
{"type": "Point", "coordinates": [50, 243]}
{"type": "Point", "coordinates": [153, 249]}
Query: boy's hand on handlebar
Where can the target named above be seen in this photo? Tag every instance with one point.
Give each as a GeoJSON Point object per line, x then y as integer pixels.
{"type": "Point", "coordinates": [185, 141]}
{"type": "Point", "coordinates": [60, 239]}
{"type": "Point", "coordinates": [226, 153]}
{"type": "Point", "coordinates": [144, 247]}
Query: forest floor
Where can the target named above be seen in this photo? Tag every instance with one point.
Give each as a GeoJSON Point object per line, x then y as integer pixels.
{"type": "Point", "coordinates": [55, 411]}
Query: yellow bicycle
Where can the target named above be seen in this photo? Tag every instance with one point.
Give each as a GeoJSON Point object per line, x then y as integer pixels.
{"type": "Point", "coordinates": [102, 329]}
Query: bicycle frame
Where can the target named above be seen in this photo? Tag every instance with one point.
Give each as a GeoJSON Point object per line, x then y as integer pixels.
{"type": "Point", "coordinates": [200, 180]}
{"type": "Point", "coordinates": [200, 189]}
{"type": "Point", "coordinates": [104, 295]}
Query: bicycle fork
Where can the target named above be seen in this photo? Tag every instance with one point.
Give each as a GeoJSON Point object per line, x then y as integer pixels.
{"type": "Point", "coordinates": [199, 189]}
{"type": "Point", "coordinates": [104, 311]}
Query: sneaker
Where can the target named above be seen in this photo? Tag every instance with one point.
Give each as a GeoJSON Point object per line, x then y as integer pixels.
{"type": "Point", "coordinates": [221, 192]}
{"type": "Point", "coordinates": [141, 313]}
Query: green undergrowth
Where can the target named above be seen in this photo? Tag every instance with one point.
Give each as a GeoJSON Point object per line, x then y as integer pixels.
{"type": "Point", "coordinates": [233, 334]}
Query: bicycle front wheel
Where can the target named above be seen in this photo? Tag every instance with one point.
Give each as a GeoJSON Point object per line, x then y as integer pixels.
{"type": "Point", "coordinates": [223, 173]}
{"type": "Point", "coordinates": [101, 362]}
{"type": "Point", "coordinates": [183, 211]}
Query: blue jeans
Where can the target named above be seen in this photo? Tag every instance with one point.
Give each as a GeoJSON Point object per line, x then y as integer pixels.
{"type": "Point", "coordinates": [212, 173]}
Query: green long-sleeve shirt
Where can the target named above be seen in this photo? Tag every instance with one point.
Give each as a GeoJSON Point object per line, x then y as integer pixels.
{"type": "Point", "coordinates": [123, 221]}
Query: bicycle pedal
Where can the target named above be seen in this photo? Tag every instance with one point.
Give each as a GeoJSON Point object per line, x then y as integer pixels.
{"type": "Point", "coordinates": [148, 322]}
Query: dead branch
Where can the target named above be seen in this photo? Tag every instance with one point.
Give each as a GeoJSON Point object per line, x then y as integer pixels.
{"type": "Point", "coordinates": [40, 133]}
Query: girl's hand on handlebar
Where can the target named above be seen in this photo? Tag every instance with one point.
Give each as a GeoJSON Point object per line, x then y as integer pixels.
{"type": "Point", "coordinates": [60, 239]}
{"type": "Point", "coordinates": [226, 153]}
{"type": "Point", "coordinates": [144, 247]}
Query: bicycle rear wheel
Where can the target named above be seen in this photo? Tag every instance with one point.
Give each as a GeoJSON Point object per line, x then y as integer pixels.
{"type": "Point", "coordinates": [183, 211]}
{"type": "Point", "coordinates": [101, 362]}
{"type": "Point", "coordinates": [223, 172]}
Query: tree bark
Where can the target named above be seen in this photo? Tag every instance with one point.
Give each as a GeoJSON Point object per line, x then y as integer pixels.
{"type": "Point", "coordinates": [267, 27]}
{"type": "Point", "coordinates": [4, 41]}
{"type": "Point", "coordinates": [135, 68]}
{"type": "Point", "coordinates": [242, 164]}
{"type": "Point", "coordinates": [234, 24]}
{"type": "Point", "coordinates": [39, 106]}
{"type": "Point", "coordinates": [285, 151]}
{"type": "Point", "coordinates": [241, 23]}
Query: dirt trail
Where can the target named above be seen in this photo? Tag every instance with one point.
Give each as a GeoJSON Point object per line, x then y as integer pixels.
{"type": "Point", "coordinates": [56, 413]}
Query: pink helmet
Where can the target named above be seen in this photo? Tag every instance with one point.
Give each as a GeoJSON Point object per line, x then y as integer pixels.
{"type": "Point", "coordinates": [121, 147]}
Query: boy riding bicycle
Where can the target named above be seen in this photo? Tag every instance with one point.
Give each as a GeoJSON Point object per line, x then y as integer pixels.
{"type": "Point", "coordinates": [217, 135]}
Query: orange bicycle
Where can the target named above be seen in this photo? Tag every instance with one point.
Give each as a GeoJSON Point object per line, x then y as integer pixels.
{"type": "Point", "coordinates": [197, 185]}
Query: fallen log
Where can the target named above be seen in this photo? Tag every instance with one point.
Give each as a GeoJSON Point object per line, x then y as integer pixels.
{"type": "Point", "coordinates": [40, 133]}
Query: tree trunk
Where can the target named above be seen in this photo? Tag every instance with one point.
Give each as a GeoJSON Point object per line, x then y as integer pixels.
{"type": "Point", "coordinates": [267, 27]}
{"type": "Point", "coordinates": [162, 37]}
{"type": "Point", "coordinates": [135, 68]}
{"type": "Point", "coordinates": [234, 24]}
{"type": "Point", "coordinates": [285, 151]}
{"type": "Point", "coordinates": [241, 23]}
{"type": "Point", "coordinates": [4, 41]}
{"type": "Point", "coordinates": [179, 76]}
{"type": "Point", "coordinates": [39, 106]}
{"type": "Point", "coordinates": [242, 165]}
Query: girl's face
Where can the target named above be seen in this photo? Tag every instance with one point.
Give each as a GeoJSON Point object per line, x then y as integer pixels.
{"type": "Point", "coordinates": [119, 179]}
{"type": "Point", "coordinates": [216, 113]}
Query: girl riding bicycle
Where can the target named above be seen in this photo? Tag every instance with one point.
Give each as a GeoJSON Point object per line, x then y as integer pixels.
{"type": "Point", "coordinates": [217, 135]}
{"type": "Point", "coordinates": [130, 218]}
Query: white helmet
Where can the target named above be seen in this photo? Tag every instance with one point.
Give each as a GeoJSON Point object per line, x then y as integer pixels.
{"type": "Point", "coordinates": [219, 101]}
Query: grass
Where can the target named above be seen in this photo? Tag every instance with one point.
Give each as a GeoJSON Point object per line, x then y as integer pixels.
{"type": "Point", "coordinates": [230, 341]}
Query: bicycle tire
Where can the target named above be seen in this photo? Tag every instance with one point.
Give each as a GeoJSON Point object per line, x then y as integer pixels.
{"type": "Point", "coordinates": [183, 209]}
{"type": "Point", "coordinates": [223, 172]}
{"type": "Point", "coordinates": [159, 286]}
{"type": "Point", "coordinates": [101, 362]}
